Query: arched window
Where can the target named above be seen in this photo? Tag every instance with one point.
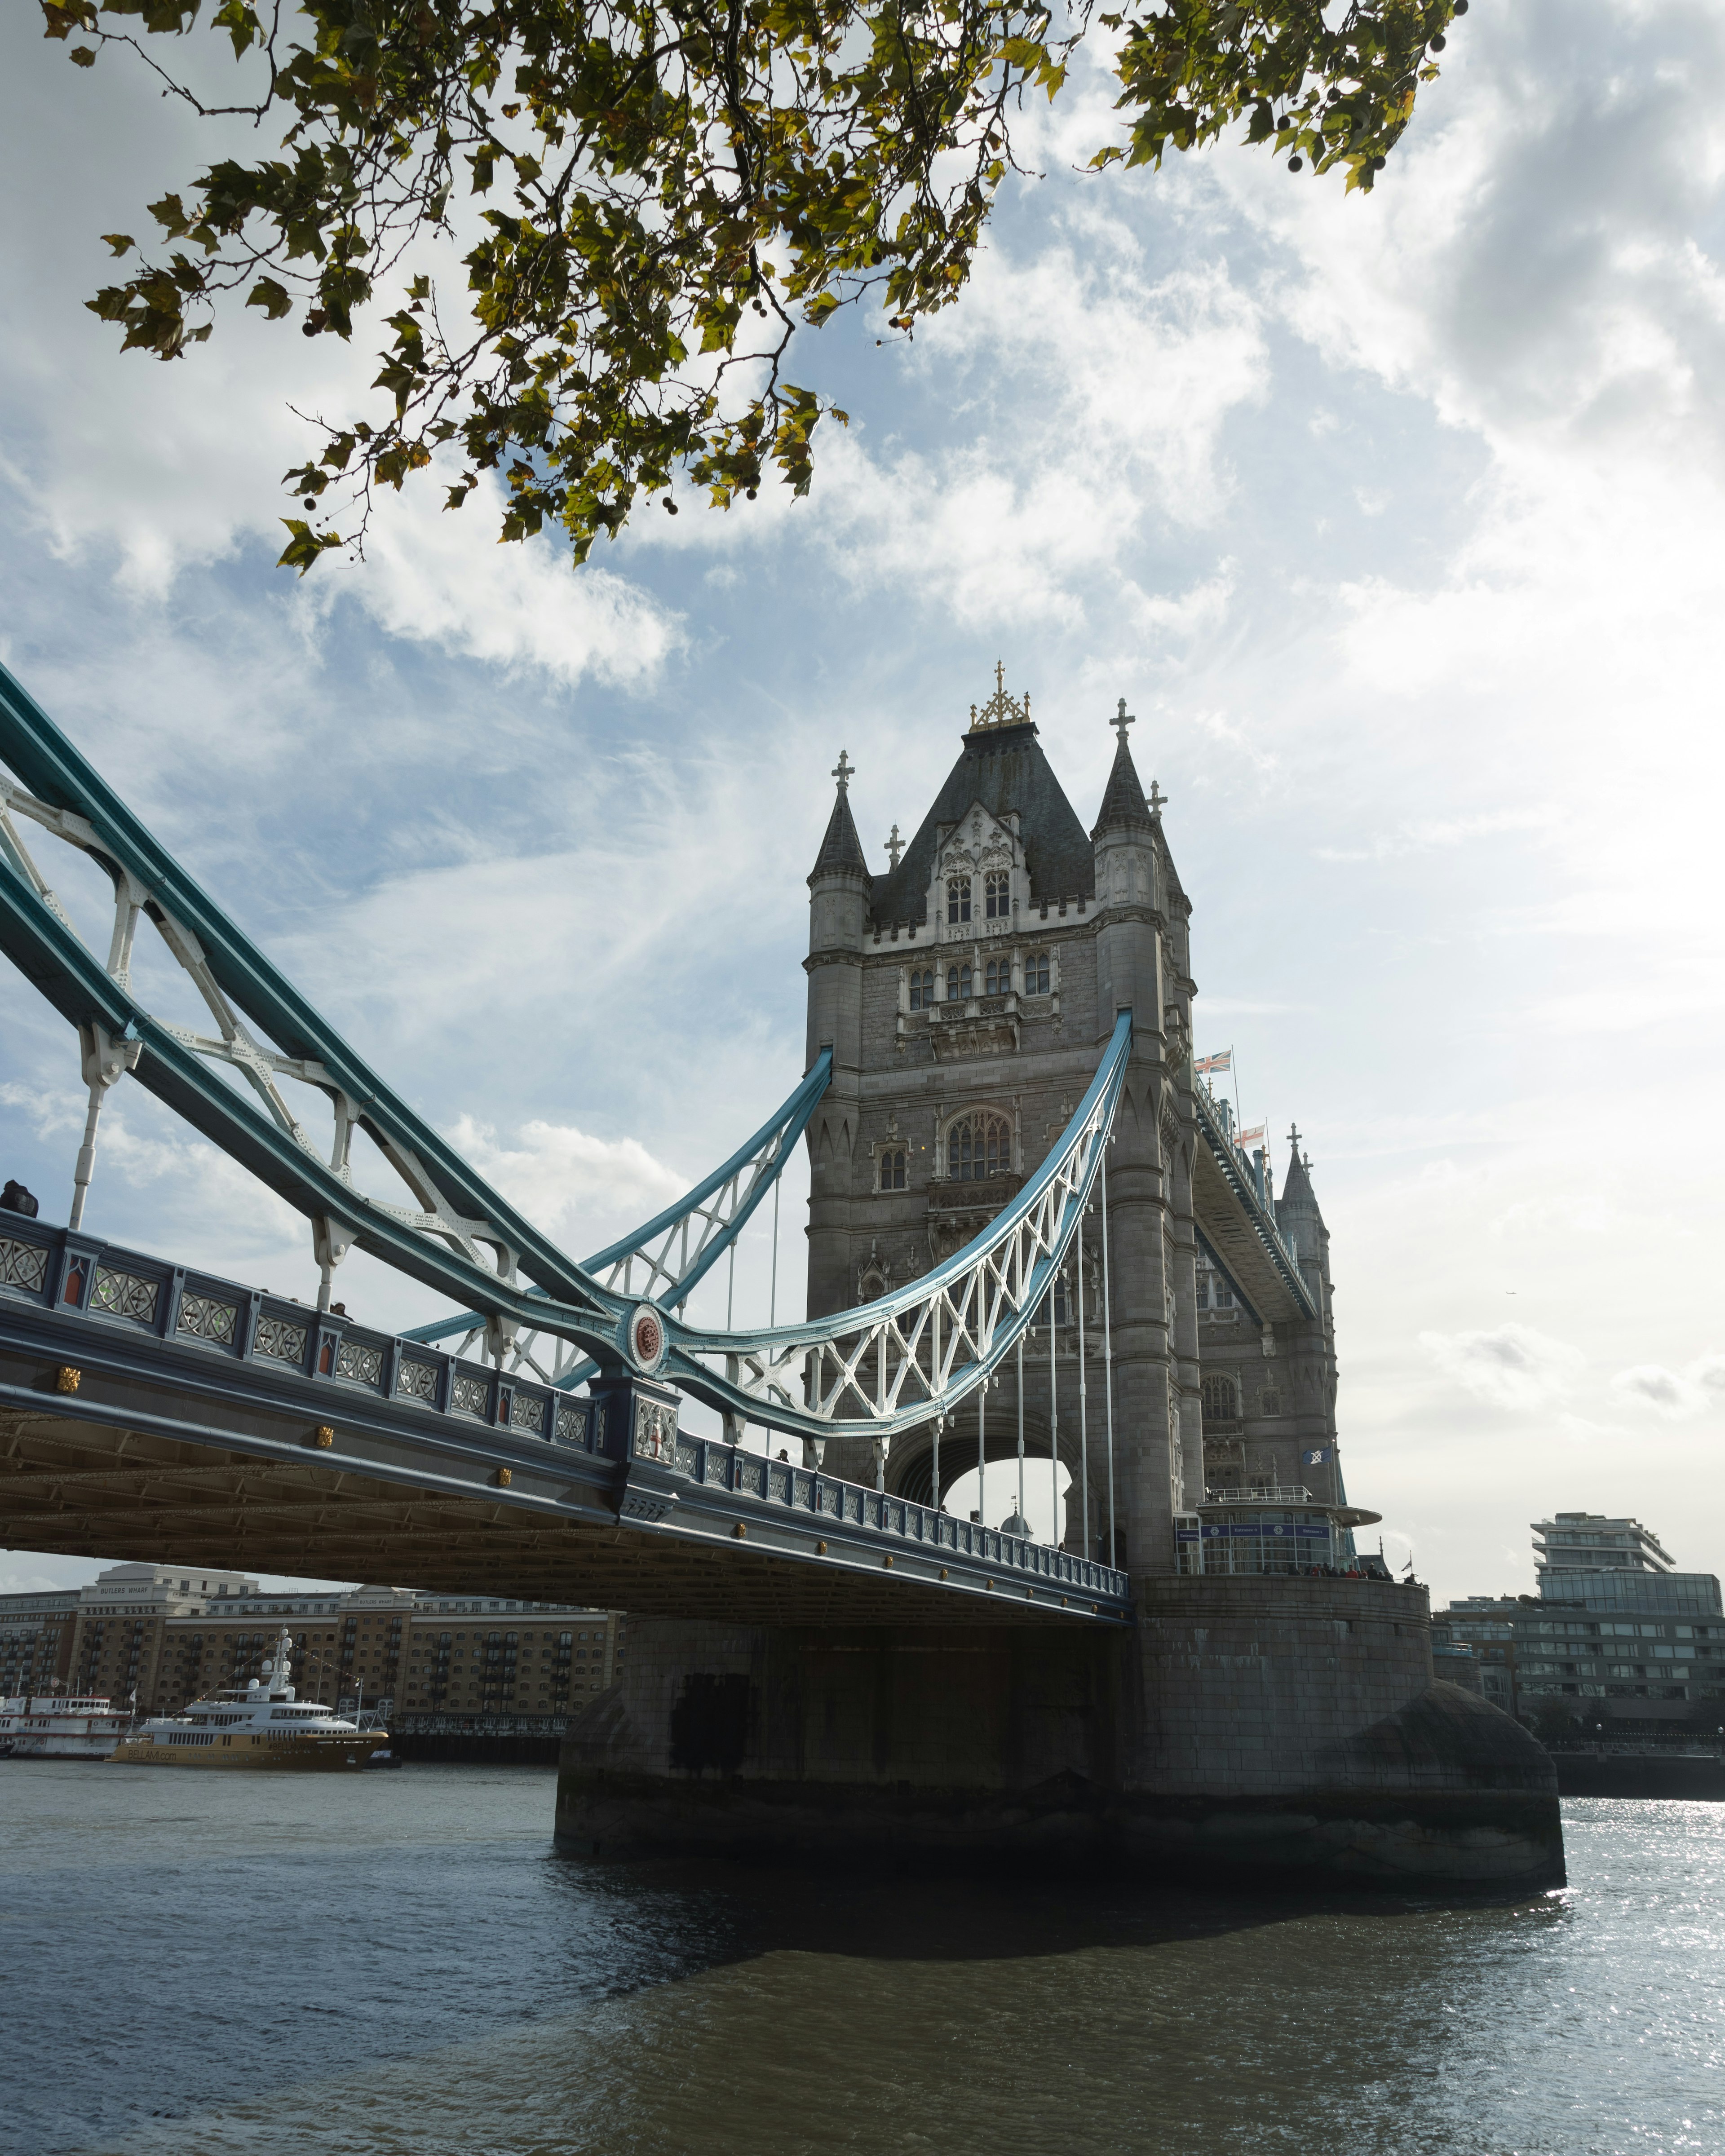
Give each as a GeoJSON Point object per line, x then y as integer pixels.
{"type": "Point", "coordinates": [1036, 973]}
{"type": "Point", "coordinates": [999, 978]}
{"type": "Point", "coordinates": [979, 1145]}
{"type": "Point", "coordinates": [892, 1169]}
{"type": "Point", "coordinates": [958, 984]}
{"type": "Point", "coordinates": [957, 899]}
{"type": "Point", "coordinates": [922, 990]}
{"type": "Point", "coordinates": [1214, 1292]}
{"type": "Point", "coordinates": [997, 894]}
{"type": "Point", "coordinates": [1221, 1400]}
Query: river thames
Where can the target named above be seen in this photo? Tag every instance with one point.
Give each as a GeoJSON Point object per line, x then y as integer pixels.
{"type": "Point", "coordinates": [400, 1964]}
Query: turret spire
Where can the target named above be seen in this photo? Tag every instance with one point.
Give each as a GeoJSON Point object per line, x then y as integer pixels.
{"type": "Point", "coordinates": [1124, 808]}
{"type": "Point", "coordinates": [841, 852]}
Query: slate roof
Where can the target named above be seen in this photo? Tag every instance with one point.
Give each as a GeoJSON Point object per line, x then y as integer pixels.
{"type": "Point", "coordinates": [841, 851]}
{"type": "Point", "coordinates": [1297, 1186]}
{"type": "Point", "coordinates": [1123, 804]}
{"type": "Point", "coordinates": [1003, 768]}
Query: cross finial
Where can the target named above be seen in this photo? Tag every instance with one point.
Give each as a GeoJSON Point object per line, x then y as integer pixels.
{"type": "Point", "coordinates": [1123, 719]}
{"type": "Point", "coordinates": [1294, 1140]}
{"type": "Point", "coordinates": [1159, 799]}
{"type": "Point", "coordinates": [894, 846]}
{"type": "Point", "coordinates": [844, 770]}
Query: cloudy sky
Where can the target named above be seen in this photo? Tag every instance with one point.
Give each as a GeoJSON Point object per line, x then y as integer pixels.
{"type": "Point", "coordinates": [1401, 521]}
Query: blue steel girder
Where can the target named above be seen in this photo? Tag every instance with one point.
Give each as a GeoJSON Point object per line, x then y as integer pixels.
{"type": "Point", "coordinates": [679, 1246]}
{"type": "Point", "coordinates": [890, 1366]}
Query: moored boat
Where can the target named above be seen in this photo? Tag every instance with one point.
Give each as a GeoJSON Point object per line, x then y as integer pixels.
{"type": "Point", "coordinates": [260, 1725]}
{"type": "Point", "coordinates": [60, 1726]}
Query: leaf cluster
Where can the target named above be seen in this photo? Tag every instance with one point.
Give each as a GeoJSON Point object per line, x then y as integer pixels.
{"type": "Point", "coordinates": [659, 193]}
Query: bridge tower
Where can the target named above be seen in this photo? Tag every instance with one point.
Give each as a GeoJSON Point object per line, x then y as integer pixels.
{"type": "Point", "coordinates": [967, 994]}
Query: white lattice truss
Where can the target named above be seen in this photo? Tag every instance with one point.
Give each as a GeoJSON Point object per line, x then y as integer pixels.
{"type": "Point", "coordinates": [915, 1354]}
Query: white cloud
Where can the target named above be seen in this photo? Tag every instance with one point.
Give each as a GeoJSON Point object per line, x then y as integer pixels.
{"type": "Point", "coordinates": [1677, 1395]}
{"type": "Point", "coordinates": [442, 576]}
{"type": "Point", "coordinates": [1513, 1367]}
{"type": "Point", "coordinates": [582, 1191]}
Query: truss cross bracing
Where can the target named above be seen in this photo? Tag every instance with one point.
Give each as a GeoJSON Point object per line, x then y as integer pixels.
{"type": "Point", "coordinates": [272, 1083]}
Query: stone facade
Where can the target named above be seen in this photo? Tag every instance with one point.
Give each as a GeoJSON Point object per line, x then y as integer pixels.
{"type": "Point", "coordinates": [967, 995]}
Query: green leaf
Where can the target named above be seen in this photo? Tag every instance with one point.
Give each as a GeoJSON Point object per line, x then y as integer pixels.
{"type": "Point", "coordinates": [271, 297]}
{"type": "Point", "coordinates": [305, 548]}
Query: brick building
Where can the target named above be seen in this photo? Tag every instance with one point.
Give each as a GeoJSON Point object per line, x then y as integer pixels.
{"type": "Point", "coordinates": [169, 1635]}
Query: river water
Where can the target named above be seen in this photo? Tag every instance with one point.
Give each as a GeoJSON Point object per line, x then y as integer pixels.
{"type": "Point", "coordinates": [401, 1965]}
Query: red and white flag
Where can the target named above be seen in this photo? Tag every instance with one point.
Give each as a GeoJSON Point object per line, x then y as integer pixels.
{"type": "Point", "coordinates": [1205, 1064]}
{"type": "Point", "coordinates": [1253, 1136]}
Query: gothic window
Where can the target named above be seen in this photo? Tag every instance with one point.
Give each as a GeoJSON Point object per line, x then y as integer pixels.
{"type": "Point", "coordinates": [958, 984]}
{"type": "Point", "coordinates": [957, 899]}
{"type": "Point", "coordinates": [979, 1145]}
{"type": "Point", "coordinates": [997, 894]}
{"type": "Point", "coordinates": [1058, 1308]}
{"type": "Point", "coordinates": [999, 978]}
{"type": "Point", "coordinates": [1036, 973]}
{"type": "Point", "coordinates": [893, 1168]}
{"type": "Point", "coordinates": [922, 990]}
{"type": "Point", "coordinates": [1202, 1291]}
{"type": "Point", "coordinates": [1221, 1400]}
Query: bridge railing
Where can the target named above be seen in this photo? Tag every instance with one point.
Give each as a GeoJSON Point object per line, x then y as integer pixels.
{"type": "Point", "coordinates": [124, 1291]}
{"type": "Point", "coordinates": [713, 1463]}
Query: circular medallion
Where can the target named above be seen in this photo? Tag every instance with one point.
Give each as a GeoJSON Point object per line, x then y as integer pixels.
{"type": "Point", "coordinates": [645, 1338]}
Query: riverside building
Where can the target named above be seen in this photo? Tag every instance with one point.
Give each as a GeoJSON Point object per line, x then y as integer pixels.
{"type": "Point", "coordinates": [435, 1665]}
{"type": "Point", "coordinates": [1616, 1636]}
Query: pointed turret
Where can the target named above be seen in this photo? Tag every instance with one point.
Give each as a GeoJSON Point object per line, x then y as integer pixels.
{"type": "Point", "coordinates": [1301, 1219]}
{"type": "Point", "coordinates": [839, 887]}
{"type": "Point", "coordinates": [1124, 808]}
{"type": "Point", "coordinates": [1297, 1190]}
{"type": "Point", "coordinates": [1128, 946]}
{"type": "Point", "coordinates": [841, 852]}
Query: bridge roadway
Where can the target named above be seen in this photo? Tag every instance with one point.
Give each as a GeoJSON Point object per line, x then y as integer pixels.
{"type": "Point", "coordinates": [151, 1412]}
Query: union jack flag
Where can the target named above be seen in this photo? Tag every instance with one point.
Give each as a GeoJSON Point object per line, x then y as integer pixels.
{"type": "Point", "coordinates": [1203, 1064]}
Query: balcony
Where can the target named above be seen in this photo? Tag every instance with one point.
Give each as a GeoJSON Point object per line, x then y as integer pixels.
{"type": "Point", "coordinates": [986, 1195]}
{"type": "Point", "coordinates": [1262, 1493]}
{"type": "Point", "coordinates": [981, 1025]}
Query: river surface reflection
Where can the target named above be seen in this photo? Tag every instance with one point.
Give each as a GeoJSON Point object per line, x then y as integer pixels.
{"type": "Point", "coordinates": [400, 1965]}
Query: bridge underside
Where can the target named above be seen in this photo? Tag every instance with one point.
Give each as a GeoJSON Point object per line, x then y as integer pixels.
{"type": "Point", "coordinates": [185, 1464]}
{"type": "Point", "coordinates": [82, 1489]}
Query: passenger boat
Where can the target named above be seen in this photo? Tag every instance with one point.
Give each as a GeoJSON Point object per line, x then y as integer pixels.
{"type": "Point", "coordinates": [60, 1727]}
{"type": "Point", "coordinates": [260, 1725]}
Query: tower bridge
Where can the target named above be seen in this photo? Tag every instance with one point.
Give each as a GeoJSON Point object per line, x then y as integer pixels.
{"type": "Point", "coordinates": [1018, 1187]}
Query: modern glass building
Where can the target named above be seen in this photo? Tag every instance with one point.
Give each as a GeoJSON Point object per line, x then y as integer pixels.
{"type": "Point", "coordinates": [1616, 1636]}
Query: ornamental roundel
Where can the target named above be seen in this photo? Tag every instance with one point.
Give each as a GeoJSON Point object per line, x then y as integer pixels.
{"type": "Point", "coordinates": [645, 1337]}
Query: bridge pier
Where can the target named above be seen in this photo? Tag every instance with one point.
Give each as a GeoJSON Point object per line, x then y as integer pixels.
{"type": "Point", "coordinates": [1247, 1726]}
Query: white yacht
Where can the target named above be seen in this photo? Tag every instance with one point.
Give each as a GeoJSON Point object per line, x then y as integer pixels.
{"type": "Point", "coordinates": [59, 1726]}
{"type": "Point", "coordinates": [260, 1724]}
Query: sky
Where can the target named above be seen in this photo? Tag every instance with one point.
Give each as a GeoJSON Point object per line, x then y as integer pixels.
{"type": "Point", "coordinates": [1397, 520]}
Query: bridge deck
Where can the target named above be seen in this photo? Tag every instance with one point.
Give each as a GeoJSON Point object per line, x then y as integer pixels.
{"type": "Point", "coordinates": [150, 1412]}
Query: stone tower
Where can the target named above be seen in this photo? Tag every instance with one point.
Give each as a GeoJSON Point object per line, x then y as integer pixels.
{"type": "Point", "coordinates": [967, 994]}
